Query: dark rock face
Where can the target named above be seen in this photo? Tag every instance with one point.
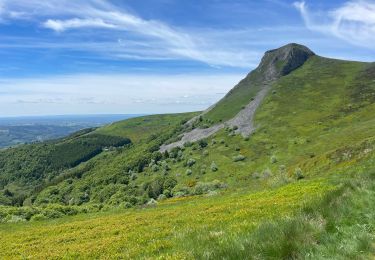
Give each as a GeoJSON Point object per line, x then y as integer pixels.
{"type": "Point", "coordinates": [280, 62]}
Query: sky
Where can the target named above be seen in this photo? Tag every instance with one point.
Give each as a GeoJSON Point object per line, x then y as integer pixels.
{"type": "Point", "coordinates": [159, 56]}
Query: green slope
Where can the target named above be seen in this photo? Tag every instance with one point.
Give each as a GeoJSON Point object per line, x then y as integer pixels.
{"type": "Point", "coordinates": [313, 148]}
{"type": "Point", "coordinates": [274, 64]}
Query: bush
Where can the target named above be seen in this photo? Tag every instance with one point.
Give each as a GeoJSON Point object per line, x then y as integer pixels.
{"type": "Point", "coordinates": [152, 202]}
{"type": "Point", "coordinates": [155, 168]}
{"type": "Point", "coordinates": [273, 159]}
{"type": "Point", "coordinates": [179, 194]}
{"type": "Point", "coordinates": [267, 173]}
{"type": "Point", "coordinates": [167, 193]}
{"type": "Point", "coordinates": [205, 153]}
{"type": "Point", "coordinates": [189, 172]}
{"type": "Point", "coordinates": [162, 197]}
{"type": "Point", "coordinates": [214, 167]}
{"type": "Point", "coordinates": [202, 143]}
{"type": "Point", "coordinates": [298, 174]}
{"type": "Point", "coordinates": [239, 158]}
{"type": "Point", "coordinates": [38, 217]}
{"type": "Point", "coordinates": [206, 187]}
{"type": "Point", "coordinates": [190, 162]}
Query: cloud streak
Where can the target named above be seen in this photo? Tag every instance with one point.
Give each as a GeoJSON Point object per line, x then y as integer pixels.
{"type": "Point", "coordinates": [353, 22]}
{"type": "Point", "coordinates": [174, 43]}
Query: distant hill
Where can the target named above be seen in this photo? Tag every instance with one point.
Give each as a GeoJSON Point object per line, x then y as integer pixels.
{"type": "Point", "coordinates": [20, 130]}
{"type": "Point", "coordinates": [281, 168]}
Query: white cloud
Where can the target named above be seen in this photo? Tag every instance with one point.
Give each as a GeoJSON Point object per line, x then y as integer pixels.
{"type": "Point", "coordinates": [353, 22]}
{"type": "Point", "coordinates": [172, 42]}
{"type": "Point", "coordinates": [59, 25]}
{"type": "Point", "coordinates": [129, 93]}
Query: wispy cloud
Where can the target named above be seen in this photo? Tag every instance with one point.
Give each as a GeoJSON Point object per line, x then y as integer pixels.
{"type": "Point", "coordinates": [62, 16]}
{"type": "Point", "coordinates": [59, 25]}
{"type": "Point", "coordinates": [354, 21]}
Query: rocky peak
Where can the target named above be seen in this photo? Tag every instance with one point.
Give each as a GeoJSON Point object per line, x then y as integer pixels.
{"type": "Point", "coordinates": [279, 62]}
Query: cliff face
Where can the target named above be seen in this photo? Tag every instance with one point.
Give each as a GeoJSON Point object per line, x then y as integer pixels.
{"type": "Point", "coordinates": [280, 62]}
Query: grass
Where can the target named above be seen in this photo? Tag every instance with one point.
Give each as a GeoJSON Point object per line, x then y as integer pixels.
{"type": "Point", "coordinates": [139, 128]}
{"type": "Point", "coordinates": [154, 231]}
{"type": "Point", "coordinates": [237, 98]}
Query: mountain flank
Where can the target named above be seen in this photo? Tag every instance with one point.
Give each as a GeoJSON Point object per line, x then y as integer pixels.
{"type": "Point", "coordinates": [274, 64]}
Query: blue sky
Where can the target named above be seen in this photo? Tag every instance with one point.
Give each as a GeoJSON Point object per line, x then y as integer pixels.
{"type": "Point", "coordinates": [141, 56]}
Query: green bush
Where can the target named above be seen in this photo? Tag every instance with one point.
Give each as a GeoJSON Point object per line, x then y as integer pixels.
{"type": "Point", "coordinates": [155, 168]}
{"type": "Point", "coordinates": [298, 174]}
{"type": "Point", "coordinates": [239, 158]}
{"type": "Point", "coordinates": [206, 187]}
{"type": "Point", "coordinates": [273, 159]}
{"type": "Point", "coordinates": [190, 162]}
{"type": "Point", "coordinates": [214, 167]}
{"type": "Point", "coordinates": [38, 217]}
{"type": "Point", "coordinates": [202, 143]}
{"type": "Point", "coordinates": [189, 172]}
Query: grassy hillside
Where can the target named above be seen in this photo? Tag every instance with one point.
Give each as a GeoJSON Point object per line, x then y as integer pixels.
{"type": "Point", "coordinates": [269, 195]}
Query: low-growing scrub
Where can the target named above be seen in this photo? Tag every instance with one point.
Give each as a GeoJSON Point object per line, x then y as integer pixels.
{"type": "Point", "coordinates": [52, 211]}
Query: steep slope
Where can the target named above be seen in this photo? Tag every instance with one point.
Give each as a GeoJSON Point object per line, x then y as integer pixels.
{"type": "Point", "coordinates": [269, 195]}
{"type": "Point", "coordinates": [238, 107]}
{"type": "Point", "coordinates": [274, 64]}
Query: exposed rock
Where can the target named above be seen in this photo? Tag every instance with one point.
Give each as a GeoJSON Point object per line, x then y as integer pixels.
{"type": "Point", "coordinates": [274, 64]}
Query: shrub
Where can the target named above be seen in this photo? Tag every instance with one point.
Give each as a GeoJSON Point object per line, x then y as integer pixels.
{"type": "Point", "coordinates": [214, 167]}
{"type": "Point", "coordinates": [205, 153]}
{"type": "Point", "coordinates": [152, 202]}
{"type": "Point", "coordinates": [206, 187]}
{"type": "Point", "coordinates": [167, 193]}
{"type": "Point", "coordinates": [222, 141]}
{"type": "Point", "coordinates": [267, 173]}
{"type": "Point", "coordinates": [162, 197]}
{"type": "Point", "coordinates": [273, 159]}
{"type": "Point", "coordinates": [190, 162]}
{"type": "Point", "coordinates": [213, 141]}
{"type": "Point", "coordinates": [202, 143]}
{"type": "Point", "coordinates": [155, 168]}
{"type": "Point", "coordinates": [298, 174]}
{"type": "Point", "coordinates": [189, 172]}
{"type": "Point", "coordinates": [179, 194]}
{"type": "Point", "coordinates": [165, 166]}
{"type": "Point", "coordinates": [38, 217]}
{"type": "Point", "coordinates": [239, 158]}
{"type": "Point", "coordinates": [237, 148]}
{"type": "Point", "coordinates": [15, 219]}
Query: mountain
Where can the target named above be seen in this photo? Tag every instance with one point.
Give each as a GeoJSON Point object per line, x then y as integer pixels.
{"type": "Point", "coordinates": [281, 167]}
